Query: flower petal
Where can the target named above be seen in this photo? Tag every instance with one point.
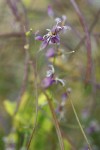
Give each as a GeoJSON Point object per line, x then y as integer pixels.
{"type": "Point", "coordinates": [39, 38]}
{"type": "Point", "coordinates": [43, 45]}
{"type": "Point", "coordinates": [60, 81]}
{"type": "Point", "coordinates": [48, 81]}
{"type": "Point", "coordinates": [50, 12]}
{"type": "Point", "coordinates": [50, 53]}
{"type": "Point", "coordinates": [65, 28]}
{"type": "Point", "coordinates": [58, 20]}
{"type": "Point", "coordinates": [55, 39]}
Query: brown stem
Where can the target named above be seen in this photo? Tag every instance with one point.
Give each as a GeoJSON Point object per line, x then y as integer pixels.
{"type": "Point", "coordinates": [23, 26]}
{"type": "Point", "coordinates": [55, 122]}
{"type": "Point", "coordinates": [88, 41]}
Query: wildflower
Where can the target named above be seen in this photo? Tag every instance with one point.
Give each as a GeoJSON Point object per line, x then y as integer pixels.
{"type": "Point", "coordinates": [48, 81]}
{"type": "Point", "coordinates": [60, 109]}
{"type": "Point", "coordinates": [50, 78]}
{"type": "Point", "coordinates": [93, 127]}
{"type": "Point", "coordinates": [62, 104]}
{"type": "Point", "coordinates": [50, 53]}
{"type": "Point", "coordinates": [85, 148]}
{"type": "Point", "coordinates": [52, 37]}
{"type": "Point", "coordinates": [85, 113]}
{"type": "Point", "coordinates": [64, 98]}
{"type": "Point", "coordinates": [50, 12]}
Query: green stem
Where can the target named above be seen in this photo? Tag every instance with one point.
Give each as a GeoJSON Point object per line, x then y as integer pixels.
{"type": "Point", "coordinates": [55, 122]}
{"type": "Point", "coordinates": [85, 137]}
{"type": "Point", "coordinates": [35, 124]}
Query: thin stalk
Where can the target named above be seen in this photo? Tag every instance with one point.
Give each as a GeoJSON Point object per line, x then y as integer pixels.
{"type": "Point", "coordinates": [55, 122]}
{"type": "Point", "coordinates": [35, 124]}
{"type": "Point", "coordinates": [79, 123]}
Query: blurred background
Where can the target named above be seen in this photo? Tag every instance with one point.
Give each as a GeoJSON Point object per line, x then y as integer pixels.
{"type": "Point", "coordinates": [80, 71]}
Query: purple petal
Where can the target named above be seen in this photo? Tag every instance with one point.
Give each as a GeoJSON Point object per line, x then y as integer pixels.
{"type": "Point", "coordinates": [47, 82]}
{"type": "Point", "coordinates": [55, 39]}
{"type": "Point", "coordinates": [85, 148]}
{"type": "Point", "coordinates": [64, 96]}
{"type": "Point", "coordinates": [50, 11]}
{"type": "Point", "coordinates": [39, 38]}
{"type": "Point", "coordinates": [53, 29]}
{"type": "Point", "coordinates": [43, 45]}
{"type": "Point", "coordinates": [91, 130]}
{"type": "Point", "coordinates": [59, 109]}
{"type": "Point", "coordinates": [50, 53]}
{"type": "Point", "coordinates": [58, 29]}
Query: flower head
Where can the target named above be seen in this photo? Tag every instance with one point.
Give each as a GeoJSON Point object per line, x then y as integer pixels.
{"type": "Point", "coordinates": [64, 96]}
{"type": "Point", "coordinates": [93, 127]}
{"type": "Point", "coordinates": [50, 78]}
{"type": "Point", "coordinates": [52, 36]}
{"type": "Point", "coordinates": [50, 53]}
{"type": "Point", "coordinates": [50, 11]}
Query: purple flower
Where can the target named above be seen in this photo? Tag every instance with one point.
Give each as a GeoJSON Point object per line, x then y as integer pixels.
{"type": "Point", "coordinates": [50, 12]}
{"type": "Point", "coordinates": [85, 148]}
{"type": "Point", "coordinates": [39, 38]}
{"type": "Point", "coordinates": [48, 81]}
{"type": "Point", "coordinates": [50, 53]}
{"type": "Point", "coordinates": [59, 109]}
{"type": "Point", "coordinates": [62, 104]}
{"type": "Point", "coordinates": [85, 113]}
{"type": "Point", "coordinates": [50, 78]}
{"type": "Point", "coordinates": [52, 36]}
{"type": "Point", "coordinates": [64, 96]}
{"type": "Point", "coordinates": [93, 127]}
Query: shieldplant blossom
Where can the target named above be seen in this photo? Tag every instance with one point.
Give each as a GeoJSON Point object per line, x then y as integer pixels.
{"type": "Point", "coordinates": [51, 78]}
{"type": "Point", "coordinates": [53, 37]}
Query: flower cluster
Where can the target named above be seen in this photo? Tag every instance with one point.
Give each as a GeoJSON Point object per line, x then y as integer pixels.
{"type": "Point", "coordinates": [51, 38]}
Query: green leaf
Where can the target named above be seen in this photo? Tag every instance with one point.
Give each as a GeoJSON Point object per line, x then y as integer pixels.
{"type": "Point", "coordinates": [10, 107]}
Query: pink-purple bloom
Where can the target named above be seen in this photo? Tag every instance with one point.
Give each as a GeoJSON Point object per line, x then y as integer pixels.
{"type": "Point", "coordinates": [39, 38]}
{"type": "Point", "coordinates": [50, 11]}
{"type": "Point", "coordinates": [50, 53]}
{"type": "Point", "coordinates": [93, 127]}
{"type": "Point", "coordinates": [62, 104]}
{"type": "Point", "coordinates": [50, 78]}
{"type": "Point", "coordinates": [52, 37]}
{"type": "Point", "coordinates": [64, 96]}
{"type": "Point", "coordinates": [48, 81]}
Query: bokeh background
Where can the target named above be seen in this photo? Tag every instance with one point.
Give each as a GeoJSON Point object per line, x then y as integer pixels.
{"type": "Point", "coordinates": [80, 72]}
